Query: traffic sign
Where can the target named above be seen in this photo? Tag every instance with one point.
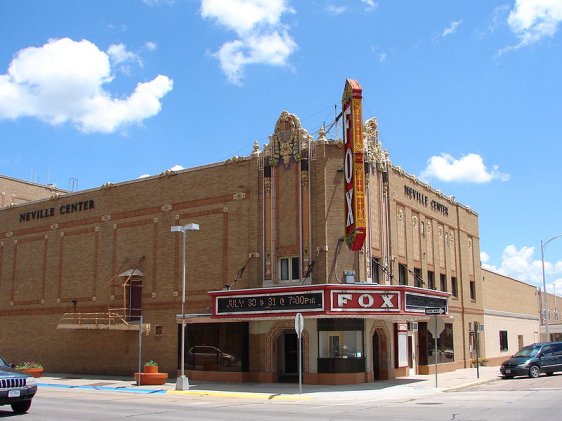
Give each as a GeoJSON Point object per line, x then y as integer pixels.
{"type": "Point", "coordinates": [299, 324]}
{"type": "Point", "coordinates": [435, 310]}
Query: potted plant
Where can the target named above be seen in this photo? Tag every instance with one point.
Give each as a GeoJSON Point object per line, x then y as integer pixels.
{"type": "Point", "coordinates": [32, 368]}
{"type": "Point", "coordinates": [150, 375]}
{"type": "Point", "coordinates": [150, 367]}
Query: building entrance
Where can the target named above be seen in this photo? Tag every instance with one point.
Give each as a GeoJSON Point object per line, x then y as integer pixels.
{"type": "Point", "coordinates": [288, 357]}
{"type": "Point", "coordinates": [376, 357]}
{"type": "Point", "coordinates": [134, 300]}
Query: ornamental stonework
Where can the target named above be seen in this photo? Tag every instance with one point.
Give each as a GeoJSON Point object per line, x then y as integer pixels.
{"type": "Point", "coordinates": [289, 140]}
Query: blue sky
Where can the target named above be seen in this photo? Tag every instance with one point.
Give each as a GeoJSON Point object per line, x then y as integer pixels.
{"type": "Point", "coordinates": [468, 95]}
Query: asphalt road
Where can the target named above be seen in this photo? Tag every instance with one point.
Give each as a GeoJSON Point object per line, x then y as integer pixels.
{"type": "Point", "coordinates": [517, 399]}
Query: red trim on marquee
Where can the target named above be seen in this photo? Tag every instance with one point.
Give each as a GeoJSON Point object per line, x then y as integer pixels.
{"type": "Point", "coordinates": [337, 300]}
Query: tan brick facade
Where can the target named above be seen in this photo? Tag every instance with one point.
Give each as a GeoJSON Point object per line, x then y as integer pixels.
{"type": "Point", "coordinates": [66, 254]}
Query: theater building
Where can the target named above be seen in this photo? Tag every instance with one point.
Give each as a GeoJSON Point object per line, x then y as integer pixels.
{"type": "Point", "coordinates": [326, 228]}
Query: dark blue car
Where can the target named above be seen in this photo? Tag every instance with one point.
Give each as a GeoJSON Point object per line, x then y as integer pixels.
{"type": "Point", "coordinates": [532, 360]}
{"type": "Point", "coordinates": [16, 388]}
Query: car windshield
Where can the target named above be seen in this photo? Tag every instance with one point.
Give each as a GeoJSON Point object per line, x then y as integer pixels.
{"type": "Point", "coordinates": [527, 351]}
{"type": "Point", "coordinates": [3, 362]}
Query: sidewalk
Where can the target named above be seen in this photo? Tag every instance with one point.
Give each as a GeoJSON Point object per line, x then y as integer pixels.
{"type": "Point", "coordinates": [404, 387]}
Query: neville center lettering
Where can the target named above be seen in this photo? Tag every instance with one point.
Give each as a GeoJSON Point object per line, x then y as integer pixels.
{"type": "Point", "coordinates": [62, 210]}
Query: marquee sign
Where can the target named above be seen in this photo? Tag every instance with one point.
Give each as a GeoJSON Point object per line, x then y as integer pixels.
{"type": "Point", "coordinates": [365, 301]}
{"type": "Point", "coordinates": [354, 169]}
{"type": "Point", "coordinates": [325, 300]}
{"type": "Point", "coordinates": [270, 303]}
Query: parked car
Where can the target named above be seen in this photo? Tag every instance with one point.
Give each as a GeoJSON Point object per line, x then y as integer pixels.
{"type": "Point", "coordinates": [532, 360]}
{"type": "Point", "coordinates": [16, 388]}
{"type": "Point", "coordinates": [202, 355]}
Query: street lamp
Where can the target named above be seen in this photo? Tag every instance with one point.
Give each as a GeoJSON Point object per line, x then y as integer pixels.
{"type": "Point", "coordinates": [543, 245]}
{"type": "Point", "coordinates": [182, 382]}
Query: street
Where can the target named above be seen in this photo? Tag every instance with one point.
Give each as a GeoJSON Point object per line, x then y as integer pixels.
{"type": "Point", "coordinates": [517, 399]}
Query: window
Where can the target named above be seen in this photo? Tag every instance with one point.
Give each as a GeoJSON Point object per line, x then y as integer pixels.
{"type": "Point", "coordinates": [289, 268]}
{"type": "Point", "coordinates": [215, 346]}
{"type": "Point", "coordinates": [418, 281]}
{"type": "Point", "coordinates": [445, 344]}
{"type": "Point", "coordinates": [443, 281]}
{"type": "Point", "coordinates": [375, 270]}
{"type": "Point", "coordinates": [472, 290]}
{"type": "Point", "coordinates": [430, 279]}
{"type": "Point", "coordinates": [340, 345]}
{"type": "Point", "coordinates": [454, 287]}
{"type": "Point", "coordinates": [402, 274]}
{"type": "Point", "coordinates": [503, 340]}
{"type": "Point", "coordinates": [520, 341]}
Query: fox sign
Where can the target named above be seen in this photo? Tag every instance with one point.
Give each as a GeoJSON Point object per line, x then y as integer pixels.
{"type": "Point", "coordinates": [354, 168]}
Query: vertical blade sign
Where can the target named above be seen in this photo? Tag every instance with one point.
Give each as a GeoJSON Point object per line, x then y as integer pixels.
{"type": "Point", "coordinates": [354, 169]}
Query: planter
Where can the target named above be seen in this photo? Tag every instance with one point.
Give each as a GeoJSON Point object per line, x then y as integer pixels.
{"type": "Point", "coordinates": [151, 378]}
{"type": "Point", "coordinates": [35, 372]}
{"type": "Point", "coordinates": [150, 369]}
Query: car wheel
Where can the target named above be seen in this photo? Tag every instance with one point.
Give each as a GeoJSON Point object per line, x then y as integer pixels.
{"type": "Point", "coordinates": [534, 371]}
{"type": "Point", "coordinates": [507, 377]}
{"type": "Point", "coordinates": [21, 407]}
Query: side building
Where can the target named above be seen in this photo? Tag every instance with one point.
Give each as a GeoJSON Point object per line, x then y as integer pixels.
{"type": "Point", "coordinates": [82, 273]}
{"type": "Point", "coordinates": [15, 192]}
{"type": "Point", "coordinates": [511, 317]}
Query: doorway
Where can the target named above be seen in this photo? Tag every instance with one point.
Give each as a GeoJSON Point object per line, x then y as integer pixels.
{"type": "Point", "coordinates": [376, 357]}
{"type": "Point", "coordinates": [134, 300]}
{"type": "Point", "coordinates": [411, 355]}
{"type": "Point", "coordinates": [288, 363]}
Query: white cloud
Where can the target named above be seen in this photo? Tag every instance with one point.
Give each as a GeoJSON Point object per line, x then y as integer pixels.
{"type": "Point", "coordinates": [262, 38]}
{"type": "Point", "coordinates": [335, 10]}
{"type": "Point", "coordinates": [533, 20]}
{"type": "Point", "coordinates": [63, 81]}
{"type": "Point", "coordinates": [176, 167]}
{"type": "Point", "coordinates": [522, 265]}
{"type": "Point", "coordinates": [118, 54]}
{"type": "Point", "coordinates": [370, 5]}
{"type": "Point", "coordinates": [469, 168]}
{"type": "Point", "coordinates": [150, 45]}
{"type": "Point", "coordinates": [452, 28]}
{"type": "Point", "coordinates": [157, 2]}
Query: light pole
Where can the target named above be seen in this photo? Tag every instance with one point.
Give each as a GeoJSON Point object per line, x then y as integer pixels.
{"type": "Point", "coordinates": [543, 245]}
{"type": "Point", "coordinates": [182, 382]}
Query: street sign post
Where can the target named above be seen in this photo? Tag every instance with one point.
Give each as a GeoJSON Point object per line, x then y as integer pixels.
{"type": "Point", "coordinates": [299, 325]}
{"type": "Point", "coordinates": [435, 311]}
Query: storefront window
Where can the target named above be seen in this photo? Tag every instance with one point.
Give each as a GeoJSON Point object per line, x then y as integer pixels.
{"type": "Point", "coordinates": [445, 348]}
{"type": "Point", "coordinates": [340, 346]}
{"type": "Point", "coordinates": [216, 346]}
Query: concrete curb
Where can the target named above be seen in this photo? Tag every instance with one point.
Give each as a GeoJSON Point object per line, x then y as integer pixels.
{"type": "Point", "coordinates": [252, 395]}
{"type": "Point", "coordinates": [466, 385]}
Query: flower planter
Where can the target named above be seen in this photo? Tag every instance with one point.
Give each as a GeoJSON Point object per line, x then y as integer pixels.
{"type": "Point", "coordinates": [35, 371]}
{"type": "Point", "coordinates": [151, 378]}
{"type": "Point", "coordinates": [150, 369]}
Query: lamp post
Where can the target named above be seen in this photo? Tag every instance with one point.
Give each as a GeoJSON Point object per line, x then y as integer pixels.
{"type": "Point", "coordinates": [182, 382]}
{"type": "Point", "coordinates": [543, 245]}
